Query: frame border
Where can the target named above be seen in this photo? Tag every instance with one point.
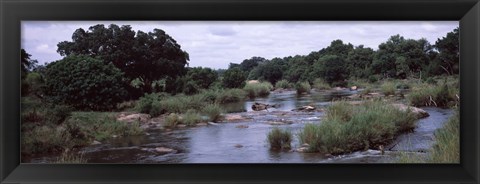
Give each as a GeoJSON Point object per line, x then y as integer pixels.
{"type": "Point", "coordinates": [13, 12]}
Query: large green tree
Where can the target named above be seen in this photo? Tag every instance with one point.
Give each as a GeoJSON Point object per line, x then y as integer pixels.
{"type": "Point", "coordinates": [332, 68]}
{"type": "Point", "coordinates": [359, 61]}
{"type": "Point", "coordinates": [449, 52]}
{"type": "Point", "coordinates": [147, 56]}
{"type": "Point", "coordinates": [84, 83]}
{"type": "Point", "coordinates": [234, 78]}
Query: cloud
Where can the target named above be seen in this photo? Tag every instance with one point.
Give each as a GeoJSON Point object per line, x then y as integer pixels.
{"type": "Point", "coordinates": [215, 44]}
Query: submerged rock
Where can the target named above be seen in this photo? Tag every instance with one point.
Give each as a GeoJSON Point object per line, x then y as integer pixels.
{"type": "Point", "coordinates": [95, 142]}
{"type": "Point", "coordinates": [238, 146]}
{"type": "Point", "coordinates": [241, 126]}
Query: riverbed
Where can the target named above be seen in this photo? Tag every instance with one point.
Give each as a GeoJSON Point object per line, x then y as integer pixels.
{"type": "Point", "coordinates": [245, 141]}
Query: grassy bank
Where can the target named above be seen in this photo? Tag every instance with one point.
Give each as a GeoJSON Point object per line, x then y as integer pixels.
{"type": "Point", "coordinates": [348, 128]}
{"type": "Point", "coordinates": [261, 89]}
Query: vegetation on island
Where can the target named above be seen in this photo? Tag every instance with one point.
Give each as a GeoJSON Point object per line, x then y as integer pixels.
{"type": "Point", "coordinates": [70, 103]}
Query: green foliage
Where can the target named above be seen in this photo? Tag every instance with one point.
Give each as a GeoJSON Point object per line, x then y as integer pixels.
{"type": "Point", "coordinates": [234, 78]}
{"type": "Point", "coordinates": [434, 95]}
{"type": "Point", "coordinates": [172, 120]}
{"type": "Point", "coordinates": [320, 84]}
{"type": "Point", "coordinates": [284, 84]}
{"type": "Point", "coordinates": [388, 88]}
{"type": "Point", "coordinates": [191, 118]}
{"type": "Point", "coordinates": [230, 95]}
{"type": "Point", "coordinates": [332, 68]}
{"type": "Point", "coordinates": [349, 128]}
{"type": "Point", "coordinates": [69, 157]}
{"type": "Point", "coordinates": [303, 87]}
{"type": "Point", "coordinates": [258, 89]}
{"type": "Point", "coordinates": [213, 111]}
{"type": "Point", "coordinates": [279, 139]}
{"type": "Point", "coordinates": [359, 62]}
{"type": "Point", "coordinates": [449, 52]}
{"type": "Point", "coordinates": [150, 56]}
{"type": "Point", "coordinates": [70, 81]}
{"type": "Point", "coordinates": [58, 114]}
{"type": "Point", "coordinates": [447, 146]}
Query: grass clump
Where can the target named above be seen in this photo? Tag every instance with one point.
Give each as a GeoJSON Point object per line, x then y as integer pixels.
{"type": "Point", "coordinates": [388, 88]}
{"type": "Point", "coordinates": [231, 95]}
{"type": "Point", "coordinates": [320, 84]}
{"type": "Point", "coordinates": [172, 120]}
{"type": "Point", "coordinates": [303, 87]}
{"type": "Point", "coordinates": [279, 139]}
{"type": "Point", "coordinates": [191, 118]}
{"type": "Point", "coordinates": [349, 128]}
{"type": "Point", "coordinates": [101, 125]}
{"type": "Point", "coordinates": [284, 84]}
{"type": "Point", "coordinates": [261, 89]}
{"type": "Point", "coordinates": [68, 157]}
{"type": "Point", "coordinates": [213, 111]}
{"type": "Point", "coordinates": [149, 103]}
{"type": "Point", "coordinates": [434, 95]}
{"type": "Point", "coordinates": [447, 146]}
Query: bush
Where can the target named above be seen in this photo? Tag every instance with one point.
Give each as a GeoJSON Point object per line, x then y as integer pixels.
{"type": "Point", "coordinates": [350, 128]}
{"type": "Point", "coordinates": [279, 139]}
{"type": "Point", "coordinates": [213, 111]}
{"type": "Point", "coordinates": [373, 78]}
{"type": "Point", "coordinates": [320, 84]}
{"type": "Point", "coordinates": [388, 88]}
{"type": "Point", "coordinates": [402, 85]}
{"type": "Point", "coordinates": [172, 120]}
{"type": "Point", "coordinates": [191, 118]}
{"type": "Point", "coordinates": [303, 87]}
{"type": "Point", "coordinates": [258, 89]}
{"type": "Point", "coordinates": [234, 78]}
{"type": "Point", "coordinates": [231, 95]}
{"type": "Point", "coordinates": [150, 103]}
{"type": "Point", "coordinates": [433, 95]}
{"type": "Point", "coordinates": [84, 83]}
{"type": "Point", "coordinates": [283, 84]}
{"type": "Point", "coordinates": [58, 114]}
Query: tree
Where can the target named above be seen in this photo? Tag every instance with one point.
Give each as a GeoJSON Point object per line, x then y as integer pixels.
{"type": "Point", "coordinates": [202, 77]}
{"type": "Point", "coordinates": [359, 61]}
{"type": "Point", "coordinates": [248, 64]}
{"type": "Point", "coordinates": [26, 63]}
{"type": "Point", "coordinates": [270, 70]}
{"type": "Point", "coordinates": [84, 82]}
{"type": "Point", "coordinates": [234, 78]}
{"type": "Point", "coordinates": [148, 56]}
{"type": "Point", "coordinates": [332, 68]}
{"type": "Point", "coordinates": [449, 52]}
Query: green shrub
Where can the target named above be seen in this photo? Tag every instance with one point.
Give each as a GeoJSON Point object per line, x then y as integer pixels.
{"type": "Point", "coordinates": [433, 95]}
{"type": "Point", "coordinates": [283, 84]}
{"type": "Point", "coordinates": [84, 83]}
{"type": "Point", "coordinates": [303, 87]}
{"type": "Point", "coordinates": [172, 120]}
{"type": "Point", "coordinates": [213, 111]}
{"type": "Point", "coordinates": [150, 103]}
{"type": "Point", "coordinates": [388, 88]}
{"type": "Point", "coordinates": [365, 91]}
{"type": "Point", "coordinates": [231, 95]}
{"type": "Point", "coordinates": [350, 128]}
{"type": "Point", "coordinates": [258, 89]}
{"type": "Point", "coordinates": [402, 85]}
{"type": "Point", "coordinates": [279, 139]}
{"type": "Point", "coordinates": [58, 114]}
{"type": "Point", "coordinates": [234, 78]}
{"type": "Point", "coordinates": [320, 84]}
{"type": "Point", "coordinates": [191, 118]}
{"type": "Point", "coordinates": [373, 78]}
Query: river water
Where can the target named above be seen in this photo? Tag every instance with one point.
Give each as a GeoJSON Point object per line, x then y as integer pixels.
{"type": "Point", "coordinates": [227, 143]}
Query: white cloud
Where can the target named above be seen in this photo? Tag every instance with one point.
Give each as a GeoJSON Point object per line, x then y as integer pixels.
{"type": "Point", "coordinates": [217, 43]}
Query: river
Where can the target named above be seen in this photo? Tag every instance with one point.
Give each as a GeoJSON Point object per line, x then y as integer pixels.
{"type": "Point", "coordinates": [228, 143]}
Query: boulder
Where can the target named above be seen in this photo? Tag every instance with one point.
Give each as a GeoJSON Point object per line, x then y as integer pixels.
{"type": "Point", "coordinates": [419, 113]}
{"type": "Point", "coordinates": [164, 150]}
{"type": "Point", "coordinates": [134, 117]}
{"type": "Point", "coordinates": [253, 82]}
{"type": "Point", "coordinates": [353, 88]}
{"type": "Point", "coordinates": [238, 146]}
{"type": "Point", "coordinates": [95, 142]}
{"type": "Point", "coordinates": [306, 108]}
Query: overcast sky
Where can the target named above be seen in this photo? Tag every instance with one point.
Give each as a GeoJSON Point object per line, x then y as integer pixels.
{"type": "Point", "coordinates": [215, 44]}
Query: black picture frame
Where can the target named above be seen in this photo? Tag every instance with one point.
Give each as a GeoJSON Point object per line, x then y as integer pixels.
{"type": "Point", "coordinates": [12, 12]}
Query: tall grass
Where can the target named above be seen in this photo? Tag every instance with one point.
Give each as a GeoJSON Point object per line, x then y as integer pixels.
{"type": "Point", "coordinates": [447, 146]}
{"type": "Point", "coordinates": [347, 128]}
{"type": "Point", "coordinates": [303, 87]}
{"type": "Point", "coordinates": [279, 139]}
{"type": "Point", "coordinates": [213, 111]}
{"type": "Point", "coordinates": [258, 89]}
{"type": "Point", "coordinates": [320, 84]}
{"type": "Point", "coordinates": [434, 95]}
{"type": "Point", "coordinates": [388, 88]}
{"type": "Point", "coordinates": [284, 84]}
{"type": "Point", "coordinates": [191, 118]}
{"type": "Point", "coordinates": [172, 120]}
{"type": "Point", "coordinates": [68, 157]}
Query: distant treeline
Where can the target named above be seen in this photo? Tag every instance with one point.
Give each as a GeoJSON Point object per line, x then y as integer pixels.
{"type": "Point", "coordinates": [107, 65]}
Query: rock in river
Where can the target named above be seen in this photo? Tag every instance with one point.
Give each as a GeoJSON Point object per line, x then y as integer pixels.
{"type": "Point", "coordinates": [134, 117]}
{"type": "Point", "coordinates": [164, 150]}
